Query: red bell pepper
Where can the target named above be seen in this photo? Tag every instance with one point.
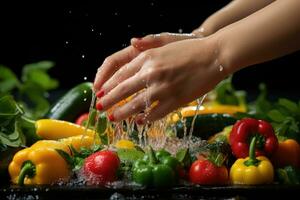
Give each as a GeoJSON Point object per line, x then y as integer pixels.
{"type": "Point", "coordinates": [244, 130]}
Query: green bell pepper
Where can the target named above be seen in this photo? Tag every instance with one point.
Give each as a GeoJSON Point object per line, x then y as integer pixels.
{"type": "Point", "coordinates": [156, 169]}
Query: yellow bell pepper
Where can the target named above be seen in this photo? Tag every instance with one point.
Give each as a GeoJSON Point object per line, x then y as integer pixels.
{"type": "Point", "coordinates": [124, 144]}
{"type": "Point", "coordinates": [51, 129]}
{"type": "Point", "coordinates": [40, 164]}
{"type": "Point", "coordinates": [252, 170]}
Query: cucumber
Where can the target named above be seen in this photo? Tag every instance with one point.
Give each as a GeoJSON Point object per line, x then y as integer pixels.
{"type": "Point", "coordinates": [73, 103]}
{"type": "Point", "coordinates": [205, 125]}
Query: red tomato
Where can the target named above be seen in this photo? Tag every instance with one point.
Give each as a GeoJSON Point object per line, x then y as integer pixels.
{"type": "Point", "coordinates": [206, 173]}
{"type": "Point", "coordinates": [101, 167]}
{"type": "Point", "coordinates": [82, 119]}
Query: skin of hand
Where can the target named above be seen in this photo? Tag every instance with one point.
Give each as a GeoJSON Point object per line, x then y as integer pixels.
{"type": "Point", "coordinates": [234, 11]}
{"type": "Point", "coordinates": [114, 62]}
{"type": "Point", "coordinates": [171, 76]}
{"type": "Point", "coordinates": [266, 34]}
{"type": "Point", "coordinates": [181, 71]}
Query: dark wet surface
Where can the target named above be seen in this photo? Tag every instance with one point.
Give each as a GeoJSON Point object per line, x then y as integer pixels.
{"type": "Point", "coordinates": [178, 193]}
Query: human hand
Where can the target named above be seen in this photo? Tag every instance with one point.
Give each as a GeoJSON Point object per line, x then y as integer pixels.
{"type": "Point", "coordinates": [117, 60]}
{"type": "Point", "coordinates": [167, 77]}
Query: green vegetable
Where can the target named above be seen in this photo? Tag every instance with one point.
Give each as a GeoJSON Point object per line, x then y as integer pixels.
{"type": "Point", "coordinates": [226, 94]}
{"type": "Point", "coordinates": [73, 103]}
{"type": "Point", "coordinates": [10, 123]}
{"type": "Point", "coordinates": [130, 155]}
{"type": "Point", "coordinates": [77, 159]}
{"type": "Point", "coordinates": [284, 115]}
{"type": "Point", "coordinates": [288, 175]}
{"type": "Point", "coordinates": [101, 127]}
{"type": "Point", "coordinates": [153, 171]}
{"type": "Point", "coordinates": [184, 157]}
{"type": "Point", "coordinates": [205, 125]}
{"type": "Point", "coordinates": [31, 91]}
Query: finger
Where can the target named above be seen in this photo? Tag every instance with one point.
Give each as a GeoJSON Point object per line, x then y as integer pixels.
{"type": "Point", "coordinates": [112, 63]}
{"type": "Point", "coordinates": [158, 40]}
{"type": "Point", "coordinates": [158, 112]}
{"type": "Point", "coordinates": [128, 70]}
{"type": "Point", "coordinates": [121, 91]}
{"type": "Point", "coordinates": [146, 99]}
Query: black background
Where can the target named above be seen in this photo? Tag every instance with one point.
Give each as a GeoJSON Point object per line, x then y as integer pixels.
{"type": "Point", "coordinates": [79, 36]}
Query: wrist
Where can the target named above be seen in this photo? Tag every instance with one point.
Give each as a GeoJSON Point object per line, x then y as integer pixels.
{"type": "Point", "coordinates": [226, 52]}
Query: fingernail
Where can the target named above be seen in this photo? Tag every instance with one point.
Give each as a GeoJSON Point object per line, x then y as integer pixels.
{"type": "Point", "coordinates": [99, 106]}
{"type": "Point", "coordinates": [111, 117]}
{"type": "Point", "coordinates": [137, 38]}
{"type": "Point", "coordinates": [139, 121]}
{"type": "Point", "coordinates": [100, 93]}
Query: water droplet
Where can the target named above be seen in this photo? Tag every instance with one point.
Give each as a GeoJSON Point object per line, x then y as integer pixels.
{"type": "Point", "coordinates": [221, 68]}
{"type": "Point", "coordinates": [85, 99]}
{"type": "Point", "coordinates": [85, 78]}
{"type": "Point", "coordinates": [180, 30]}
{"type": "Point", "coordinates": [84, 90]}
{"type": "Point", "coordinates": [82, 56]}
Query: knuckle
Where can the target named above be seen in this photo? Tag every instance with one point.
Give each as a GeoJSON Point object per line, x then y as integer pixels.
{"type": "Point", "coordinates": [110, 61]}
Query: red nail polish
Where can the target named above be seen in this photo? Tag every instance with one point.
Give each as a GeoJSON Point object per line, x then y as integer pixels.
{"type": "Point", "coordinates": [100, 93]}
{"type": "Point", "coordinates": [139, 121]}
{"type": "Point", "coordinates": [111, 117]}
{"type": "Point", "coordinates": [99, 106]}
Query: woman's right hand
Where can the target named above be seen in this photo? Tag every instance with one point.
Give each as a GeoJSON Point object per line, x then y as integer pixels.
{"type": "Point", "coordinates": [117, 60]}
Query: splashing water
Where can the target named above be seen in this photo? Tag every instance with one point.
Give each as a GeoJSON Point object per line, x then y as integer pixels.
{"type": "Point", "coordinates": [199, 103]}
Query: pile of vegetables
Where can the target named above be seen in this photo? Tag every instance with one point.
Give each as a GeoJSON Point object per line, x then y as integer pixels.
{"type": "Point", "coordinates": [244, 143]}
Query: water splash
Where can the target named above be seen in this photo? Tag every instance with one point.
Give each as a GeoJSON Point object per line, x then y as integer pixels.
{"type": "Point", "coordinates": [199, 103]}
{"type": "Point", "coordinates": [221, 68]}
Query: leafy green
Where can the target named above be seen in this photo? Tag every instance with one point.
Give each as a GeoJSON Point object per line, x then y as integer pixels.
{"type": "Point", "coordinates": [129, 155]}
{"type": "Point", "coordinates": [283, 114]}
{"type": "Point", "coordinates": [31, 90]}
{"type": "Point", "coordinates": [217, 152]}
{"type": "Point", "coordinates": [76, 159]}
{"type": "Point", "coordinates": [10, 123]}
{"type": "Point", "coordinates": [8, 80]}
{"type": "Point", "coordinates": [184, 157]}
{"type": "Point", "coordinates": [288, 175]}
{"type": "Point", "coordinates": [226, 94]}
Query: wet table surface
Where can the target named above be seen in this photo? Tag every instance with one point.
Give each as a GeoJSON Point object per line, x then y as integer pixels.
{"type": "Point", "coordinates": [178, 193]}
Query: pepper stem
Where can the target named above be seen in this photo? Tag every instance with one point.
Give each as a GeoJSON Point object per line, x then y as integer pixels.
{"type": "Point", "coordinates": [152, 157]}
{"type": "Point", "coordinates": [28, 169]}
{"type": "Point", "coordinates": [252, 158]}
